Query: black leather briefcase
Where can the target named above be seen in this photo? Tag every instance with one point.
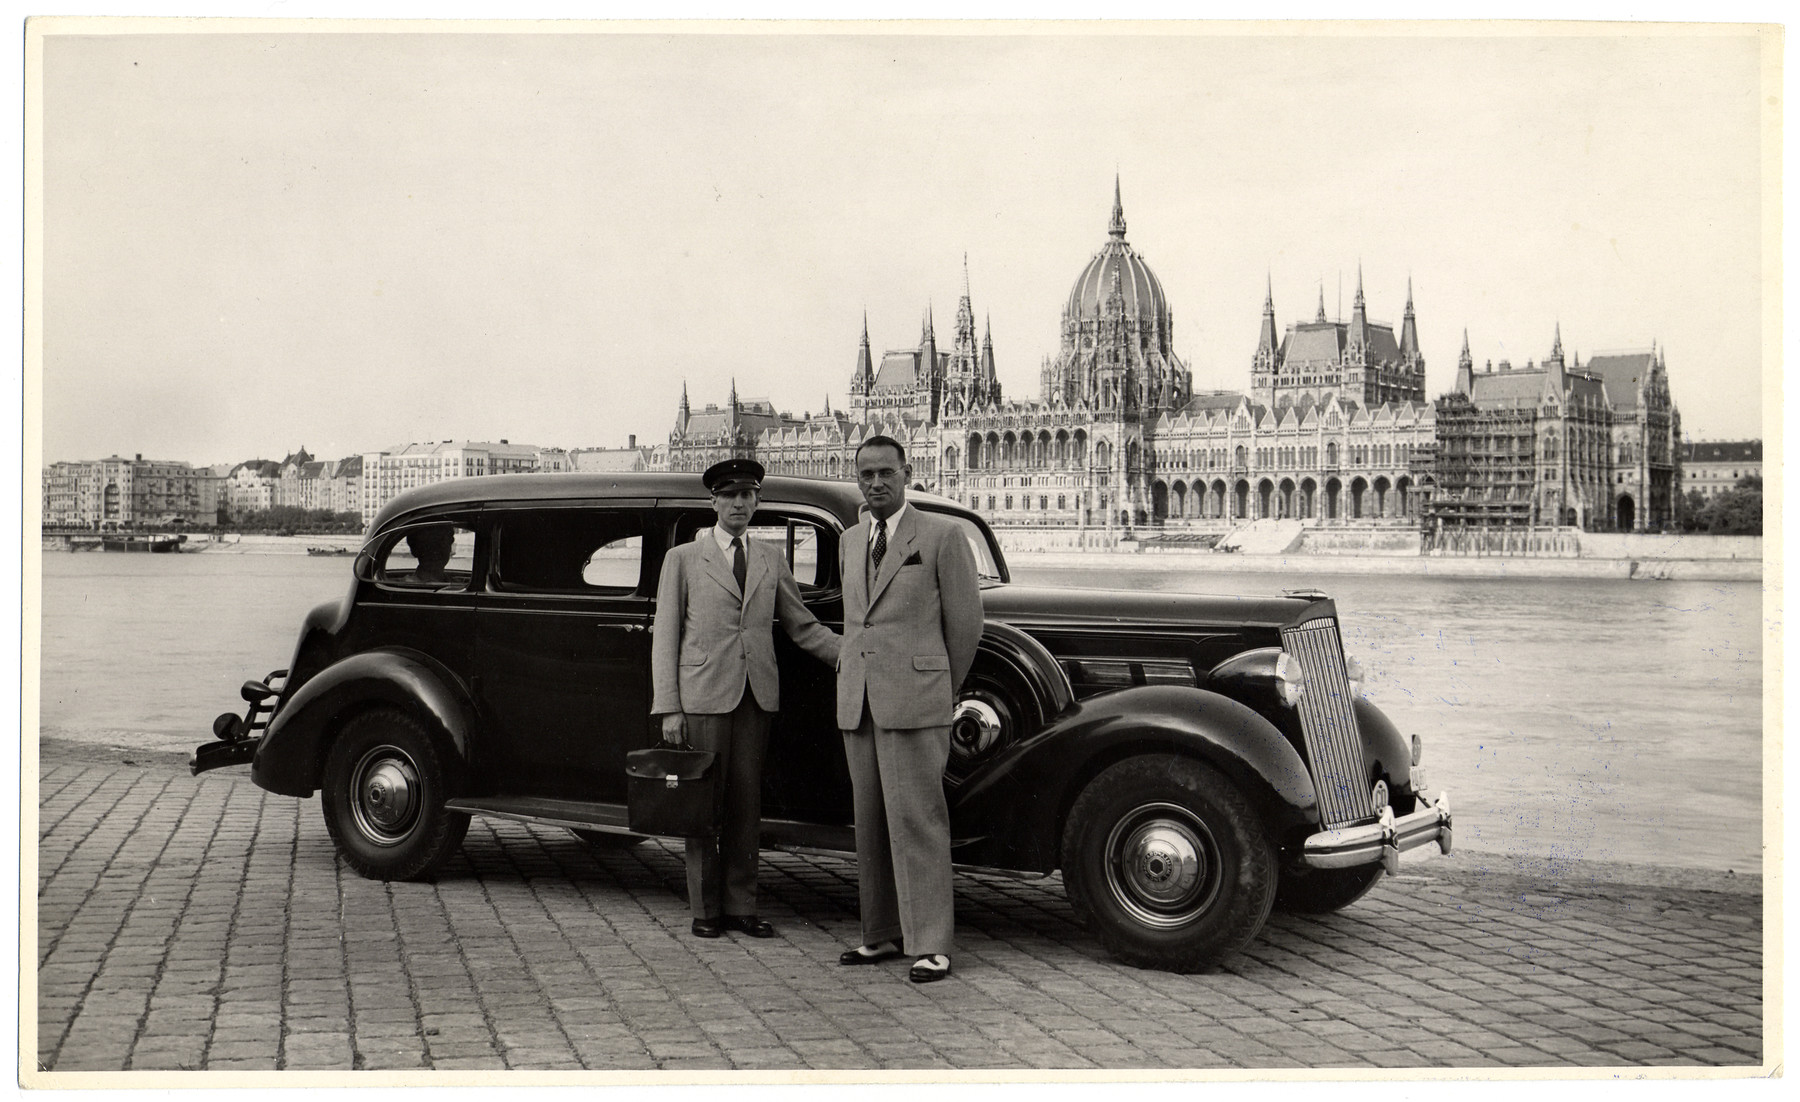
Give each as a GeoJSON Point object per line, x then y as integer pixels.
{"type": "Point", "coordinates": [672, 792]}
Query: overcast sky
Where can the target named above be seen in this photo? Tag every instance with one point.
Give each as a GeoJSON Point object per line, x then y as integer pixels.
{"type": "Point", "coordinates": [254, 242]}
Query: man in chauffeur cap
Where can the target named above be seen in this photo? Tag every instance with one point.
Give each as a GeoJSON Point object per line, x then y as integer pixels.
{"type": "Point", "coordinates": [715, 682]}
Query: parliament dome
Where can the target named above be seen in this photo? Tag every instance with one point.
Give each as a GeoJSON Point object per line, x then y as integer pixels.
{"type": "Point", "coordinates": [1141, 290]}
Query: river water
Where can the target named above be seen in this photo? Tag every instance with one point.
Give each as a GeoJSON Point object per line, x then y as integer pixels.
{"type": "Point", "coordinates": [1569, 720]}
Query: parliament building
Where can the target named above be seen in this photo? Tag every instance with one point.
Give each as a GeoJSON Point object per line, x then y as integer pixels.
{"type": "Point", "coordinates": [1335, 430]}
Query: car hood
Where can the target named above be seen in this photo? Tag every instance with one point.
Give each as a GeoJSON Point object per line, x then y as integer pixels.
{"type": "Point", "coordinates": [1027, 607]}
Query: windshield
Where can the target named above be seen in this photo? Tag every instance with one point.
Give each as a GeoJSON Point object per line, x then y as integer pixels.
{"type": "Point", "coordinates": [986, 563]}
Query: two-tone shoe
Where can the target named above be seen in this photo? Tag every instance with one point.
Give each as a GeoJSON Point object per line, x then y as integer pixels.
{"type": "Point", "coordinates": [873, 955]}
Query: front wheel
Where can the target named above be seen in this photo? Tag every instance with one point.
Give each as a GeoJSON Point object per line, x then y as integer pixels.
{"type": "Point", "coordinates": [1167, 862]}
{"type": "Point", "coordinates": [383, 798]}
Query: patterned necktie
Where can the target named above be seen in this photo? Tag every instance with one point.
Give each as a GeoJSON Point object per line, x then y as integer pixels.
{"type": "Point", "coordinates": [737, 561]}
{"type": "Point", "coordinates": [880, 543]}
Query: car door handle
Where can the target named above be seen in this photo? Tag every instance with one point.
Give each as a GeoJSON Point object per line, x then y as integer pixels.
{"type": "Point", "coordinates": [632, 628]}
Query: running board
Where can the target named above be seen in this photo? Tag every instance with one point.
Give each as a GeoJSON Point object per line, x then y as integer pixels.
{"type": "Point", "coordinates": [787, 835]}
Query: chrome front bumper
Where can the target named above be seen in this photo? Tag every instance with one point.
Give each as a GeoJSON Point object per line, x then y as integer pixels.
{"type": "Point", "coordinates": [1383, 840]}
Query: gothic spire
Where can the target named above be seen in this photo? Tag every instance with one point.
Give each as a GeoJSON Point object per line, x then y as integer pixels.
{"type": "Point", "coordinates": [684, 397]}
{"type": "Point", "coordinates": [1465, 368]}
{"type": "Point", "coordinates": [734, 401]}
{"type": "Point", "coordinates": [1321, 316]}
{"type": "Point", "coordinates": [863, 380]}
{"type": "Point", "coordinates": [1358, 305]}
{"type": "Point", "coordinates": [1556, 349]}
{"type": "Point", "coordinates": [1269, 340]}
{"type": "Point", "coordinates": [1116, 227]}
{"type": "Point", "coordinates": [1409, 330]}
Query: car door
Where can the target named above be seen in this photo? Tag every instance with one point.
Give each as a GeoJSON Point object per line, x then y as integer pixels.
{"type": "Point", "coordinates": [419, 592]}
{"type": "Point", "coordinates": [805, 777]}
{"type": "Point", "coordinates": [563, 650]}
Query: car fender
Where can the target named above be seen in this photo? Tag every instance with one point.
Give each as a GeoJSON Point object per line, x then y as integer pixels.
{"type": "Point", "coordinates": [1010, 813]}
{"type": "Point", "coordinates": [290, 758]}
{"type": "Point", "coordinates": [1385, 749]}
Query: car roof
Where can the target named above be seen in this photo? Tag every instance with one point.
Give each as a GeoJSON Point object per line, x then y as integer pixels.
{"type": "Point", "coordinates": [835, 496]}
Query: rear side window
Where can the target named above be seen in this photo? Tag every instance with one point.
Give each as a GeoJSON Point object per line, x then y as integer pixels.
{"type": "Point", "coordinates": [437, 555]}
{"type": "Point", "coordinates": [570, 551]}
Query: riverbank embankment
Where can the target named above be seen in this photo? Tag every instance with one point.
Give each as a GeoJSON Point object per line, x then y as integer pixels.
{"type": "Point", "coordinates": [233, 543]}
{"type": "Point", "coordinates": [1522, 567]}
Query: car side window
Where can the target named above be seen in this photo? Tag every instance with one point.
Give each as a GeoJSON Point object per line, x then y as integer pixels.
{"type": "Point", "coordinates": [437, 555]}
{"type": "Point", "coordinates": [577, 551]}
{"type": "Point", "coordinates": [799, 543]}
{"type": "Point", "coordinates": [615, 564]}
{"type": "Point", "coordinates": [809, 547]}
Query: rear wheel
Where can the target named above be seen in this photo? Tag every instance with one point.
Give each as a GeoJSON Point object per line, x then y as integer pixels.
{"type": "Point", "coordinates": [1167, 863]}
{"type": "Point", "coordinates": [383, 798]}
{"type": "Point", "coordinates": [1321, 891]}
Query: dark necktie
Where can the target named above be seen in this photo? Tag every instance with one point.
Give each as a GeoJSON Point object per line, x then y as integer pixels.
{"type": "Point", "coordinates": [880, 544]}
{"type": "Point", "coordinates": [737, 562]}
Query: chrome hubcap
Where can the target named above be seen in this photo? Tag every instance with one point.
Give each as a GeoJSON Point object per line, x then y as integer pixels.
{"type": "Point", "coordinates": [975, 729]}
{"type": "Point", "coordinates": [1162, 865]}
{"type": "Point", "coordinates": [385, 795]}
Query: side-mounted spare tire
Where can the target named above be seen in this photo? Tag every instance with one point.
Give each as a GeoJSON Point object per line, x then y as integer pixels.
{"type": "Point", "coordinates": [383, 796]}
{"type": "Point", "coordinates": [1168, 863]}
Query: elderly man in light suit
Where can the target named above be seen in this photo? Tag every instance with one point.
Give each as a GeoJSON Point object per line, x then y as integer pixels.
{"type": "Point", "coordinates": [716, 685]}
{"type": "Point", "coordinates": [912, 621]}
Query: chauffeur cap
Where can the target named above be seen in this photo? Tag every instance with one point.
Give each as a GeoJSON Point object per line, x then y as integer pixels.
{"type": "Point", "coordinates": [732, 475]}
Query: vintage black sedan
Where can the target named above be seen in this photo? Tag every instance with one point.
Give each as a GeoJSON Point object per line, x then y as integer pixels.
{"type": "Point", "coordinates": [1188, 762]}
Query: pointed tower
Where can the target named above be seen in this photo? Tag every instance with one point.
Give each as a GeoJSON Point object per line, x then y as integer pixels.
{"type": "Point", "coordinates": [1356, 341]}
{"type": "Point", "coordinates": [988, 383]}
{"type": "Point", "coordinates": [1409, 332]}
{"type": "Point", "coordinates": [1321, 318]}
{"type": "Point", "coordinates": [1556, 349]}
{"type": "Point", "coordinates": [862, 380]}
{"type": "Point", "coordinates": [1265, 363]}
{"type": "Point", "coordinates": [1465, 368]}
{"type": "Point", "coordinates": [964, 375]}
{"type": "Point", "coordinates": [1268, 343]}
{"type": "Point", "coordinates": [1555, 387]}
{"type": "Point", "coordinates": [1116, 227]}
{"type": "Point", "coordinates": [929, 379]}
{"type": "Point", "coordinates": [734, 397]}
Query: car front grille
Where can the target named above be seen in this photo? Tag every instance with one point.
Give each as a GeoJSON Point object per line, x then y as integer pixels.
{"type": "Point", "coordinates": [1328, 719]}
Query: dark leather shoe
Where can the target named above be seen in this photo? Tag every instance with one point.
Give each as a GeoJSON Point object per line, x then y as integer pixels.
{"type": "Point", "coordinates": [855, 956]}
{"type": "Point", "coordinates": [708, 927]}
{"type": "Point", "coordinates": [923, 972]}
{"type": "Point", "coordinates": [749, 924]}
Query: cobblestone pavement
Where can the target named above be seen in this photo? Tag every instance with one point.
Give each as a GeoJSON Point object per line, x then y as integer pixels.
{"type": "Point", "coordinates": [191, 923]}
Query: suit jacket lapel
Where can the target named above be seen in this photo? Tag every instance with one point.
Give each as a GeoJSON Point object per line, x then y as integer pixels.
{"type": "Point", "coordinates": [900, 539]}
{"type": "Point", "coordinates": [856, 570]}
{"type": "Point", "coordinates": [718, 567]}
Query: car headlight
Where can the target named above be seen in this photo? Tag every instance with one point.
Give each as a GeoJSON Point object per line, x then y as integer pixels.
{"type": "Point", "coordinates": [1354, 671]}
{"type": "Point", "coordinates": [1290, 679]}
